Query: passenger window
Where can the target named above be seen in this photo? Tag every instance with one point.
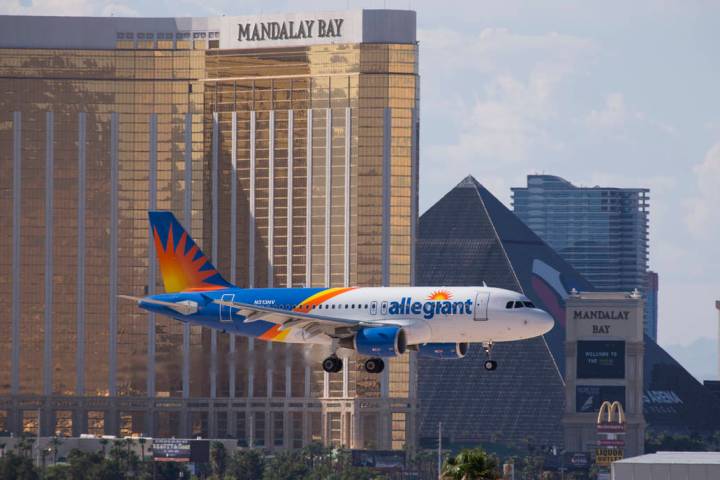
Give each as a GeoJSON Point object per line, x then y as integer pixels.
{"type": "Point", "coordinates": [509, 305]}
{"type": "Point", "coordinates": [518, 305]}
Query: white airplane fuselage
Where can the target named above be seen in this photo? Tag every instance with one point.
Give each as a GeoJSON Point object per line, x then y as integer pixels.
{"type": "Point", "coordinates": [427, 314]}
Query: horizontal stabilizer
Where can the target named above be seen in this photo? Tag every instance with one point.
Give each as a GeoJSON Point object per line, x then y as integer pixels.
{"type": "Point", "coordinates": [186, 307]}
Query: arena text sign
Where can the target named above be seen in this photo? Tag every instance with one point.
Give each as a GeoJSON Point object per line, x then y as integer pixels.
{"type": "Point", "coordinates": [290, 30]}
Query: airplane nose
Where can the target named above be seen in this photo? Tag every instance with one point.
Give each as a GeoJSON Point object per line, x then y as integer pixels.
{"type": "Point", "coordinates": [544, 321]}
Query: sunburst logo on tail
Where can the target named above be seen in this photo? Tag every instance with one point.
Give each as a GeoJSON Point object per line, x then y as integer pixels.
{"type": "Point", "coordinates": [440, 295]}
{"type": "Point", "coordinates": [182, 270]}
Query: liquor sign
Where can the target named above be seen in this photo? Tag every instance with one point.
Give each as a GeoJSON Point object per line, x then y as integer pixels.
{"type": "Point", "coordinates": [605, 456]}
{"type": "Point", "coordinates": [171, 450]}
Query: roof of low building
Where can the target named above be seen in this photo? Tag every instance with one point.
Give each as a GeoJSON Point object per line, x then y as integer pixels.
{"type": "Point", "coordinates": [675, 458]}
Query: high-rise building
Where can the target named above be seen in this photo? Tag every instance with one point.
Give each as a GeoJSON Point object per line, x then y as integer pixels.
{"type": "Point", "coordinates": [651, 304]}
{"type": "Point", "coordinates": [601, 231]}
{"type": "Point", "coordinates": [287, 145]}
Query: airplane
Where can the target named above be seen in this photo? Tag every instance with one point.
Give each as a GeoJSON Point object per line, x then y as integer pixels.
{"type": "Point", "coordinates": [376, 322]}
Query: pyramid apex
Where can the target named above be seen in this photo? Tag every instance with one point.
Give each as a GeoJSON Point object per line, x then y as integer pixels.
{"type": "Point", "coordinates": [468, 181]}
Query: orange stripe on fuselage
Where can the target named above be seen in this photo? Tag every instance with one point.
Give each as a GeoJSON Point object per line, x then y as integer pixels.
{"type": "Point", "coordinates": [277, 335]}
{"type": "Point", "coordinates": [321, 297]}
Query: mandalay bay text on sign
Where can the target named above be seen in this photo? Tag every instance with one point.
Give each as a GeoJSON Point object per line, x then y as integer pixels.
{"type": "Point", "coordinates": [290, 30]}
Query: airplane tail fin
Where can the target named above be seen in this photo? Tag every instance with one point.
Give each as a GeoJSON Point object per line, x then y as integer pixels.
{"type": "Point", "coordinates": [183, 265]}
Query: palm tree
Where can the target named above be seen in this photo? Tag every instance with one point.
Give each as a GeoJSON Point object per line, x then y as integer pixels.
{"type": "Point", "coordinates": [142, 441]}
{"type": "Point", "coordinates": [474, 464]}
{"type": "Point", "coordinates": [103, 444]}
{"type": "Point", "coordinates": [55, 443]}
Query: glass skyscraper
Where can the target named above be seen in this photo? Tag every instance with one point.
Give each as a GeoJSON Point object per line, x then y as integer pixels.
{"type": "Point", "coordinates": [601, 231]}
{"type": "Point", "coordinates": [286, 144]}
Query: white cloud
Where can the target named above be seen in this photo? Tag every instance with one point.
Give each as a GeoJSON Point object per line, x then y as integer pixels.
{"type": "Point", "coordinates": [703, 213]}
{"type": "Point", "coordinates": [497, 93]}
{"type": "Point", "coordinates": [614, 113]}
{"type": "Point", "coordinates": [118, 10]}
{"type": "Point", "coordinates": [67, 7]}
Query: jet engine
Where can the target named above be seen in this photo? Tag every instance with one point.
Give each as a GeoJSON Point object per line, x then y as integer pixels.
{"type": "Point", "coordinates": [442, 351]}
{"type": "Point", "coordinates": [377, 341]}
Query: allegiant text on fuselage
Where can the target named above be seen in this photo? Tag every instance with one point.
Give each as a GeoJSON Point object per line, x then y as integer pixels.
{"type": "Point", "coordinates": [430, 308]}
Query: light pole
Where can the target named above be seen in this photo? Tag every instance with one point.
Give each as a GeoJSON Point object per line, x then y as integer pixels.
{"type": "Point", "coordinates": [717, 305]}
{"type": "Point", "coordinates": [439, 452]}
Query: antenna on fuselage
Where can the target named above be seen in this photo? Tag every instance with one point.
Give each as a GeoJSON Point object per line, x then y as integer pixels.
{"type": "Point", "coordinates": [484, 284]}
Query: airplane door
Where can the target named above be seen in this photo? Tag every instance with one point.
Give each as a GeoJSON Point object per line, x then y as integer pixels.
{"type": "Point", "coordinates": [383, 308]}
{"type": "Point", "coordinates": [373, 308]}
{"type": "Point", "coordinates": [225, 311]}
{"type": "Point", "coordinates": [481, 306]}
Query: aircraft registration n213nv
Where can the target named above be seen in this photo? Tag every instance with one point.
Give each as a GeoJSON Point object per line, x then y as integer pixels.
{"type": "Point", "coordinates": [376, 322]}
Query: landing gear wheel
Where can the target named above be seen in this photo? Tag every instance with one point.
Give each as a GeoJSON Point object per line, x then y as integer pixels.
{"type": "Point", "coordinates": [332, 364]}
{"type": "Point", "coordinates": [374, 365]}
{"type": "Point", "coordinates": [489, 364]}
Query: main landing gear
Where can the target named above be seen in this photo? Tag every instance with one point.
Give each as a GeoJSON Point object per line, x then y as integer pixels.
{"type": "Point", "coordinates": [374, 365]}
{"type": "Point", "coordinates": [489, 364]}
{"type": "Point", "coordinates": [333, 364]}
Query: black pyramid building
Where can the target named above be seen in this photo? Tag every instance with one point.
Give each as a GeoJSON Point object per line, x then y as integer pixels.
{"type": "Point", "coordinates": [469, 237]}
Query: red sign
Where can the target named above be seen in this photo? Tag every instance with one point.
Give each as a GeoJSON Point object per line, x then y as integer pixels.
{"type": "Point", "coordinates": [611, 443]}
{"type": "Point", "coordinates": [610, 428]}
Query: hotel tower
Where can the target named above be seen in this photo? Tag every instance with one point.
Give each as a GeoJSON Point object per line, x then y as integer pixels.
{"type": "Point", "coordinates": [287, 144]}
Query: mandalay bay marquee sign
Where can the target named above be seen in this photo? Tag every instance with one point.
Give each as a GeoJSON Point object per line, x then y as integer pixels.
{"type": "Point", "coordinates": [301, 29]}
{"type": "Point", "coordinates": [290, 30]}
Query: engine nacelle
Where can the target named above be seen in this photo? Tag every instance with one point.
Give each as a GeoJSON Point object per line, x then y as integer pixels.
{"type": "Point", "coordinates": [443, 351]}
{"type": "Point", "coordinates": [378, 341]}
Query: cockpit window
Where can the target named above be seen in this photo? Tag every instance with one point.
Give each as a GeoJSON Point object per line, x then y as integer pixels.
{"type": "Point", "coordinates": [529, 304]}
{"type": "Point", "coordinates": [509, 305]}
{"type": "Point", "coordinates": [518, 304]}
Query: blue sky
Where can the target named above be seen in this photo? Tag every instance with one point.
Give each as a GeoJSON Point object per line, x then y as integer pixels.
{"type": "Point", "coordinates": [611, 93]}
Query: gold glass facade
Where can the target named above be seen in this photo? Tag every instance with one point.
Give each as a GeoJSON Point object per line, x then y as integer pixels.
{"type": "Point", "coordinates": [291, 166]}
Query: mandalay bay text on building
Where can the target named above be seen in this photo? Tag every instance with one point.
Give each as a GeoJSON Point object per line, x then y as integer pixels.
{"type": "Point", "coordinates": [286, 143]}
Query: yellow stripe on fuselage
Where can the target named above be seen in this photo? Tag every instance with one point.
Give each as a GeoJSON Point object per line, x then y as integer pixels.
{"type": "Point", "coordinates": [277, 335]}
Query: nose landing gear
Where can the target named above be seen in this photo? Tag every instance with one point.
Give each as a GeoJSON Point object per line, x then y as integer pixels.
{"type": "Point", "coordinates": [489, 364]}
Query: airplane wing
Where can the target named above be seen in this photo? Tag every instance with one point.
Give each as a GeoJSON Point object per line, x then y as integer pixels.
{"type": "Point", "coordinates": [333, 326]}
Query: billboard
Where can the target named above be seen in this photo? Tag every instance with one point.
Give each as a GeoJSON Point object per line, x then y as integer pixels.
{"type": "Point", "coordinates": [588, 398]}
{"type": "Point", "coordinates": [181, 450]}
{"type": "Point", "coordinates": [171, 450]}
{"type": "Point", "coordinates": [600, 359]}
{"type": "Point", "coordinates": [380, 459]}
